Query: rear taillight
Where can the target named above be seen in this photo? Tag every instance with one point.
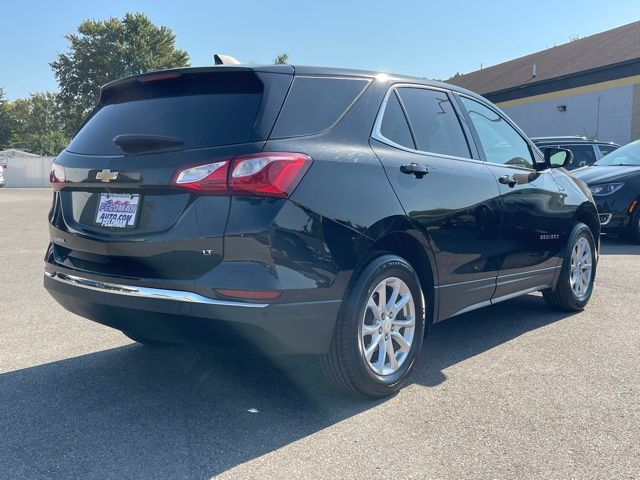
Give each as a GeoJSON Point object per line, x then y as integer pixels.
{"type": "Point", "coordinates": [57, 176]}
{"type": "Point", "coordinates": [271, 174]}
{"type": "Point", "coordinates": [211, 177]}
{"type": "Point", "coordinates": [274, 174]}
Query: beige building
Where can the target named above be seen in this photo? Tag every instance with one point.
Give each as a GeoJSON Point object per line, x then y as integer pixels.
{"type": "Point", "coordinates": [589, 87]}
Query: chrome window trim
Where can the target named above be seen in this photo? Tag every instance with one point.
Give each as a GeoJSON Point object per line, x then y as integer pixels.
{"type": "Point", "coordinates": [144, 292]}
{"type": "Point", "coordinates": [376, 133]}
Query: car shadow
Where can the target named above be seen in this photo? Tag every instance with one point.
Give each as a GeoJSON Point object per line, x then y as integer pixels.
{"type": "Point", "coordinates": [468, 335]}
{"type": "Point", "coordinates": [618, 246]}
{"type": "Point", "coordinates": [194, 412]}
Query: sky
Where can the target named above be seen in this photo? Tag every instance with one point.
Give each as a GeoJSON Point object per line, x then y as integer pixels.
{"type": "Point", "coordinates": [421, 38]}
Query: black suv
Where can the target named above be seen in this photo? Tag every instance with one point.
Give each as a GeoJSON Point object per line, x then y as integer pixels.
{"type": "Point", "coordinates": [585, 152]}
{"type": "Point", "coordinates": [309, 211]}
{"type": "Point", "coordinates": [614, 182]}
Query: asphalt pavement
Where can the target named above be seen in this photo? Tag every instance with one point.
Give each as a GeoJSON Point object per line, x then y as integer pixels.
{"type": "Point", "coordinates": [510, 391]}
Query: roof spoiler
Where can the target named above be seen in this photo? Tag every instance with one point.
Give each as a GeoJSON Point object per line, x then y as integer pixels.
{"type": "Point", "coordinates": [220, 59]}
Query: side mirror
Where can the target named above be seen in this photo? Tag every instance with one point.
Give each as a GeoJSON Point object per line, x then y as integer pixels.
{"type": "Point", "coordinates": [557, 157]}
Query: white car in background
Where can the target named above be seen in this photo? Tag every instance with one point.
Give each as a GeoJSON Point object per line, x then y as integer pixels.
{"type": "Point", "coordinates": [1, 176]}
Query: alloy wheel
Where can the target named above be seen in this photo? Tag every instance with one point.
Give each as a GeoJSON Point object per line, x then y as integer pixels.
{"type": "Point", "coordinates": [581, 268]}
{"type": "Point", "coordinates": [388, 326]}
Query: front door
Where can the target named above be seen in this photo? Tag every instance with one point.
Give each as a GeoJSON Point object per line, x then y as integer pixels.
{"type": "Point", "coordinates": [451, 197]}
{"type": "Point", "coordinates": [533, 210]}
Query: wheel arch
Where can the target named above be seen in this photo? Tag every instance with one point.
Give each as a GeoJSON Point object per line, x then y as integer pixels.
{"type": "Point", "coordinates": [588, 215]}
{"type": "Point", "coordinates": [409, 245]}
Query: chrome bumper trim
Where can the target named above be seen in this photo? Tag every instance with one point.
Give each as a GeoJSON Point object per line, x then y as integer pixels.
{"type": "Point", "coordinates": [145, 292]}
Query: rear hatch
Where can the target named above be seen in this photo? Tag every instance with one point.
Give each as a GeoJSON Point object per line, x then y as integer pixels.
{"type": "Point", "coordinates": [116, 211]}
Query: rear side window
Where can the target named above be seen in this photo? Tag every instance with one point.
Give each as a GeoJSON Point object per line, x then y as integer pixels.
{"type": "Point", "coordinates": [316, 103]}
{"type": "Point", "coordinates": [606, 149]}
{"type": "Point", "coordinates": [434, 122]}
{"type": "Point", "coordinates": [583, 155]}
{"type": "Point", "coordinates": [394, 124]}
{"type": "Point", "coordinates": [201, 110]}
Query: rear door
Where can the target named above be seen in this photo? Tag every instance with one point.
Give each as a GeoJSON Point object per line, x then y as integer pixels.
{"type": "Point", "coordinates": [455, 203]}
{"type": "Point", "coordinates": [533, 210]}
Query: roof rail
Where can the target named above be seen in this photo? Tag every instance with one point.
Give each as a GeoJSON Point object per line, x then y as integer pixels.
{"type": "Point", "coordinates": [561, 137]}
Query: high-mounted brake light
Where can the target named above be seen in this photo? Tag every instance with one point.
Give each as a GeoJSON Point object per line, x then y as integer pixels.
{"type": "Point", "coordinates": [154, 77]}
{"type": "Point", "coordinates": [272, 174]}
{"type": "Point", "coordinates": [57, 176]}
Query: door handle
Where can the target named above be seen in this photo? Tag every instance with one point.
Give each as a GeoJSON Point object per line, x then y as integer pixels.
{"type": "Point", "coordinates": [418, 171]}
{"type": "Point", "coordinates": [508, 180]}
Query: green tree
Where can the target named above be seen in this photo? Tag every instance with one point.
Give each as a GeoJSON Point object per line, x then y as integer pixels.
{"type": "Point", "coordinates": [37, 124]}
{"type": "Point", "coordinates": [49, 143]}
{"type": "Point", "coordinates": [281, 59]}
{"type": "Point", "coordinates": [102, 51]}
{"type": "Point", "coordinates": [7, 123]}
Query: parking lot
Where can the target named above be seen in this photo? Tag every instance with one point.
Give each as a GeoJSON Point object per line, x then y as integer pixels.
{"type": "Point", "coordinates": [511, 391]}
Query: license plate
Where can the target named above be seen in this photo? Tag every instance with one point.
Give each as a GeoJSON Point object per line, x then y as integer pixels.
{"type": "Point", "coordinates": [117, 210]}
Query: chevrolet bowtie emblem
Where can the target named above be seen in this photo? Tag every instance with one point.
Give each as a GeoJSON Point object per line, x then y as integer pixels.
{"type": "Point", "coordinates": [106, 175]}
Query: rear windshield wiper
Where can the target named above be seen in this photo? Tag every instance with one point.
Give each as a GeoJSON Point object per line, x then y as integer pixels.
{"type": "Point", "coordinates": [141, 142]}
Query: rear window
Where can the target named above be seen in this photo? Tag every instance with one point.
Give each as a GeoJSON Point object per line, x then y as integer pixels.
{"type": "Point", "coordinates": [203, 110]}
{"type": "Point", "coordinates": [316, 103]}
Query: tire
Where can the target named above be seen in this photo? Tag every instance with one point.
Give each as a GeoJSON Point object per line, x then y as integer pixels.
{"type": "Point", "coordinates": [146, 341]}
{"type": "Point", "coordinates": [634, 225]}
{"type": "Point", "coordinates": [360, 329]}
{"type": "Point", "coordinates": [564, 296]}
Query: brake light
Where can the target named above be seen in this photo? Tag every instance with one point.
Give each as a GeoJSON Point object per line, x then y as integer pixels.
{"type": "Point", "coordinates": [273, 174]}
{"type": "Point", "coordinates": [57, 176]}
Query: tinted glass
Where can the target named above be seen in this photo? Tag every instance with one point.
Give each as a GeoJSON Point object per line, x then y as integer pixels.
{"type": "Point", "coordinates": [627, 155]}
{"type": "Point", "coordinates": [500, 141]}
{"type": "Point", "coordinates": [583, 155]}
{"type": "Point", "coordinates": [434, 122]}
{"type": "Point", "coordinates": [202, 112]}
{"type": "Point", "coordinates": [606, 149]}
{"type": "Point", "coordinates": [315, 103]}
{"type": "Point", "coordinates": [394, 124]}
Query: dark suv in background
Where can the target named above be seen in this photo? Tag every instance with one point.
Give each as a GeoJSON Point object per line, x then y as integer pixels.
{"type": "Point", "coordinates": [614, 182]}
{"type": "Point", "coordinates": [585, 152]}
{"type": "Point", "coordinates": [309, 211]}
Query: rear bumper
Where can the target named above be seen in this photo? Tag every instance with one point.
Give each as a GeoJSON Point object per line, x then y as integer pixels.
{"type": "Point", "coordinates": [180, 316]}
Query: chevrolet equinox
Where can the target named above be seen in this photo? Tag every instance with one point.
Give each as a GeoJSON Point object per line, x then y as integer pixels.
{"type": "Point", "coordinates": [314, 211]}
